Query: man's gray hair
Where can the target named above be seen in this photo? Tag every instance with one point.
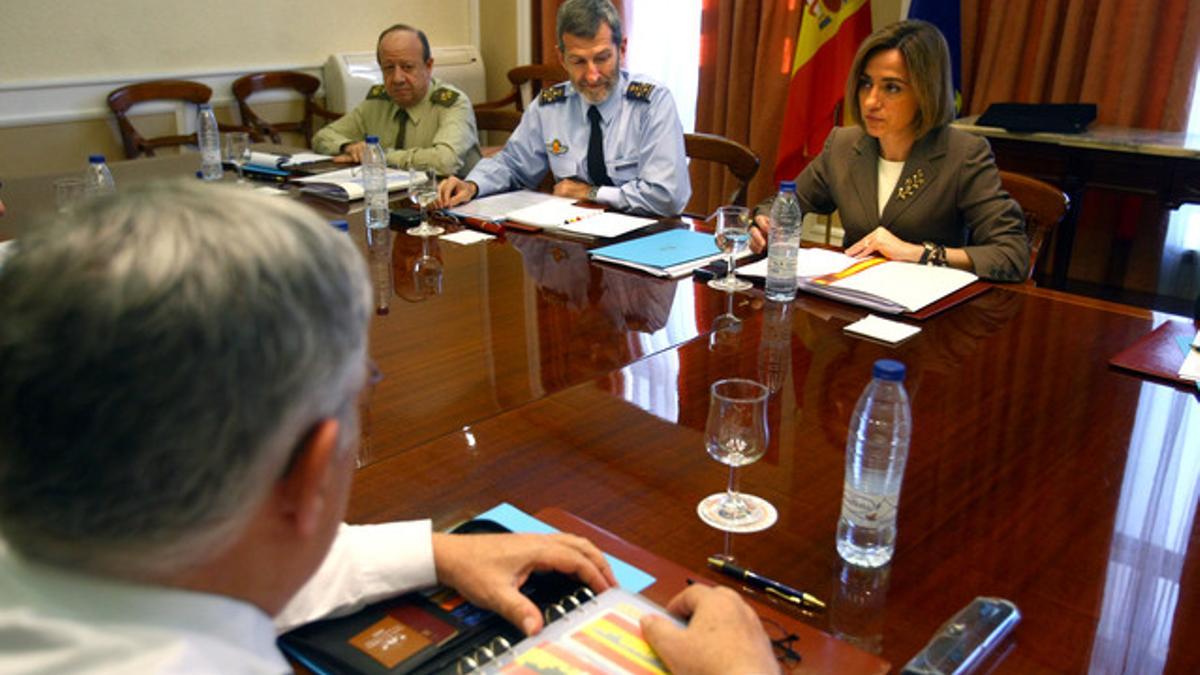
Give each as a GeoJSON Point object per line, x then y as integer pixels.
{"type": "Point", "coordinates": [163, 352]}
{"type": "Point", "coordinates": [583, 18]}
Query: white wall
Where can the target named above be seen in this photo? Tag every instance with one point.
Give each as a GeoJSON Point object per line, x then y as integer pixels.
{"type": "Point", "coordinates": [60, 58]}
{"type": "Point", "coordinates": [84, 39]}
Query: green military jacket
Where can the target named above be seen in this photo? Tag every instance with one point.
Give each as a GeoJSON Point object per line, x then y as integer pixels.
{"type": "Point", "coordinates": [439, 132]}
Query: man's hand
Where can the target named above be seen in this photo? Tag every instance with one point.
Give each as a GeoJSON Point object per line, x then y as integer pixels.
{"type": "Point", "coordinates": [352, 153]}
{"type": "Point", "coordinates": [454, 191]}
{"type": "Point", "coordinates": [723, 636]}
{"type": "Point", "coordinates": [489, 569]}
{"type": "Point", "coordinates": [758, 233]}
{"type": "Point", "coordinates": [569, 187]}
{"type": "Point", "coordinates": [883, 242]}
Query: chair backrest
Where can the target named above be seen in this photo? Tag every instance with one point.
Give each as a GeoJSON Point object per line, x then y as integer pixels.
{"type": "Point", "coordinates": [1044, 206]}
{"type": "Point", "coordinates": [501, 120]}
{"type": "Point", "coordinates": [497, 120]}
{"type": "Point", "coordinates": [306, 85]}
{"type": "Point", "coordinates": [527, 81]}
{"type": "Point", "coordinates": [739, 159]}
{"type": "Point", "coordinates": [537, 76]}
{"type": "Point", "coordinates": [121, 100]}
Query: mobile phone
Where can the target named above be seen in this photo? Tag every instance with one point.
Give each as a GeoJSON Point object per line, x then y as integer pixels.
{"type": "Point", "coordinates": [966, 638]}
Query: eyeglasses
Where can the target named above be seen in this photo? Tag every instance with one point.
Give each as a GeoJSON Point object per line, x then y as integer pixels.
{"type": "Point", "coordinates": [783, 643]}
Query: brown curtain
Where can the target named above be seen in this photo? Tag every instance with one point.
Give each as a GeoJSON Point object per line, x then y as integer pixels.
{"type": "Point", "coordinates": [1135, 60]}
{"type": "Point", "coordinates": [746, 52]}
{"type": "Point", "coordinates": [544, 19]}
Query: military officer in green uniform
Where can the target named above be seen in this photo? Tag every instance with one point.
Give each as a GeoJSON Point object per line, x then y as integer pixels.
{"type": "Point", "coordinates": [420, 120]}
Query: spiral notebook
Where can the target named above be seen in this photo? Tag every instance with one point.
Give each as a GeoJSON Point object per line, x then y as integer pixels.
{"type": "Point", "coordinates": [439, 632]}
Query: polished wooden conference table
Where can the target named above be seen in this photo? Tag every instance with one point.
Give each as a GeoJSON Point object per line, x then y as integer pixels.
{"type": "Point", "coordinates": [1037, 473]}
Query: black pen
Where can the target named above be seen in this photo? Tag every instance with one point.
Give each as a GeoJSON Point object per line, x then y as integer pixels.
{"type": "Point", "coordinates": [806, 601]}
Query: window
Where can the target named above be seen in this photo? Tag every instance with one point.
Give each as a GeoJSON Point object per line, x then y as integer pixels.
{"type": "Point", "coordinates": [664, 43]}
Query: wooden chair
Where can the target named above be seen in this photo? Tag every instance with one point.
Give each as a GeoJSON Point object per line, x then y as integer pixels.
{"type": "Point", "coordinates": [536, 75]}
{"type": "Point", "coordinates": [739, 159]}
{"type": "Point", "coordinates": [306, 85]}
{"type": "Point", "coordinates": [1044, 206]}
{"type": "Point", "coordinates": [503, 120]}
{"type": "Point", "coordinates": [121, 100]}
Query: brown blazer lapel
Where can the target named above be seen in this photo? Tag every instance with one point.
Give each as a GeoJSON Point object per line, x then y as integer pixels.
{"type": "Point", "coordinates": [864, 175]}
{"type": "Point", "coordinates": [919, 171]}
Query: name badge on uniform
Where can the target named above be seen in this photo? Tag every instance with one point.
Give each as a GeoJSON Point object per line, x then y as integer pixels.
{"type": "Point", "coordinates": [556, 147]}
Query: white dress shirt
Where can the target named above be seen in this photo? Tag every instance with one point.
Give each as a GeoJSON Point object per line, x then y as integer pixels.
{"type": "Point", "coordinates": [57, 621]}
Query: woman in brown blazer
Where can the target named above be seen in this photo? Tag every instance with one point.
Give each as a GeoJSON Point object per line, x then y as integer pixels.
{"type": "Point", "coordinates": [906, 184]}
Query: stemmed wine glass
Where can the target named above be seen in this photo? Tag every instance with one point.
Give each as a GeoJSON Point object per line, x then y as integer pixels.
{"type": "Point", "coordinates": [237, 151]}
{"type": "Point", "coordinates": [733, 236]}
{"type": "Point", "coordinates": [423, 191]}
{"type": "Point", "coordinates": [736, 434]}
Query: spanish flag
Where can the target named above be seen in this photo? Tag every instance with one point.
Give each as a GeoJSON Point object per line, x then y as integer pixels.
{"type": "Point", "coordinates": [830, 32]}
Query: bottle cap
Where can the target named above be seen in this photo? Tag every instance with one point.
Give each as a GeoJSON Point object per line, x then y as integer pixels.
{"type": "Point", "coordinates": [372, 139]}
{"type": "Point", "coordinates": [95, 159]}
{"type": "Point", "coordinates": [341, 225]}
{"type": "Point", "coordinates": [888, 369]}
{"type": "Point", "coordinates": [787, 186]}
{"type": "Point", "coordinates": [204, 106]}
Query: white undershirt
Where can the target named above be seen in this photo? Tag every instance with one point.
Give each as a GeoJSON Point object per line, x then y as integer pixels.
{"type": "Point", "coordinates": [889, 175]}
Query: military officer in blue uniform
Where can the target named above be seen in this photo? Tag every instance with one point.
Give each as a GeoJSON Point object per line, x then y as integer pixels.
{"type": "Point", "coordinates": [420, 120]}
{"type": "Point", "coordinates": [605, 136]}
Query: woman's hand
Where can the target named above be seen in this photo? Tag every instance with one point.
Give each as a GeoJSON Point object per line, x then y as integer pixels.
{"type": "Point", "coordinates": [882, 241]}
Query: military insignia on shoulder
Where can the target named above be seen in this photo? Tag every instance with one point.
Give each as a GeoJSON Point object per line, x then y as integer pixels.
{"type": "Point", "coordinates": [443, 96]}
{"type": "Point", "coordinates": [639, 91]}
{"type": "Point", "coordinates": [380, 92]}
{"type": "Point", "coordinates": [556, 147]}
{"type": "Point", "coordinates": [555, 94]}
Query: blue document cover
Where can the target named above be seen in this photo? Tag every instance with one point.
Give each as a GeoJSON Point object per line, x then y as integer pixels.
{"type": "Point", "coordinates": [670, 253]}
{"type": "Point", "coordinates": [629, 577]}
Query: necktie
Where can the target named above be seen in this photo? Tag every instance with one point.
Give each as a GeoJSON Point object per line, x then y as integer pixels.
{"type": "Point", "coordinates": [595, 157]}
{"type": "Point", "coordinates": [402, 117]}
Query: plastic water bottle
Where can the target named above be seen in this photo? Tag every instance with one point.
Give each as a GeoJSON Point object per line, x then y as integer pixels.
{"type": "Point", "coordinates": [374, 168]}
{"type": "Point", "coordinates": [210, 143]}
{"type": "Point", "coordinates": [876, 451]}
{"type": "Point", "coordinates": [783, 245]}
{"type": "Point", "coordinates": [379, 241]}
{"type": "Point", "coordinates": [98, 180]}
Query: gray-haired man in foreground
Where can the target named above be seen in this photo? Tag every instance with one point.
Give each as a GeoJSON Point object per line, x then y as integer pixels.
{"type": "Point", "coordinates": [178, 426]}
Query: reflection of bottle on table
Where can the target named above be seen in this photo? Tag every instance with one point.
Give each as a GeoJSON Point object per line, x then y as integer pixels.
{"type": "Point", "coordinates": [379, 236]}
{"type": "Point", "coordinates": [856, 610]}
{"type": "Point", "coordinates": [775, 350]}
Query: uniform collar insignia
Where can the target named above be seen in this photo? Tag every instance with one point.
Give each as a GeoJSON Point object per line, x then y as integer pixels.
{"type": "Point", "coordinates": [379, 92]}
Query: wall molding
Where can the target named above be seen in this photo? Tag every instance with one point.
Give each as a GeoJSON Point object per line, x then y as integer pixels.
{"type": "Point", "coordinates": [40, 102]}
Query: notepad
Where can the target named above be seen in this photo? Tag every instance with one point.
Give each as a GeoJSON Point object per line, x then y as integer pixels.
{"type": "Point", "coordinates": [882, 330]}
{"type": "Point", "coordinates": [495, 208]}
{"type": "Point", "coordinates": [887, 286]}
{"type": "Point", "coordinates": [552, 214]}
